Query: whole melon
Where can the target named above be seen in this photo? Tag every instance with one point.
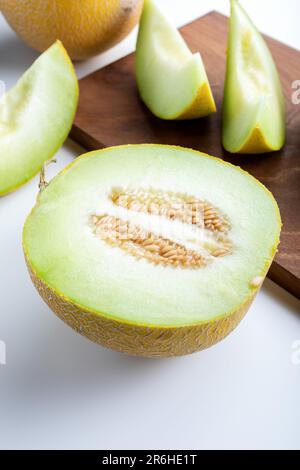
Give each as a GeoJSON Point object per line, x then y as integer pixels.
{"type": "Point", "coordinates": [86, 27]}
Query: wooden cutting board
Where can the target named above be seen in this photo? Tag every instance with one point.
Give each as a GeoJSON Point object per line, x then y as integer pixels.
{"type": "Point", "coordinates": [110, 113]}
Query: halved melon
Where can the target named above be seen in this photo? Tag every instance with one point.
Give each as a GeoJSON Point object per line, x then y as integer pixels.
{"type": "Point", "coordinates": [149, 249]}
{"type": "Point", "coordinates": [172, 81]}
{"type": "Point", "coordinates": [36, 117]}
{"type": "Point", "coordinates": [253, 108]}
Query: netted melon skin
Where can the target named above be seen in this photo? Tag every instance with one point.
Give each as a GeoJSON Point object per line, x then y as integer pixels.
{"type": "Point", "coordinates": [85, 28]}
{"type": "Point", "coordinates": [139, 340]}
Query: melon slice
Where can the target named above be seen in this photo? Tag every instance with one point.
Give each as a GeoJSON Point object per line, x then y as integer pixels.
{"type": "Point", "coordinates": [253, 109]}
{"type": "Point", "coordinates": [36, 117]}
{"type": "Point", "coordinates": [172, 81]}
{"type": "Point", "coordinates": [149, 249]}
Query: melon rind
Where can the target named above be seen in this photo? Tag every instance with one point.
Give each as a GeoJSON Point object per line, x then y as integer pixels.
{"type": "Point", "coordinates": [140, 340]}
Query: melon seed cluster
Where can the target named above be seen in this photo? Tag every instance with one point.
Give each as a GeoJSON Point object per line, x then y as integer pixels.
{"type": "Point", "coordinates": [144, 244]}
{"type": "Point", "coordinates": [175, 206]}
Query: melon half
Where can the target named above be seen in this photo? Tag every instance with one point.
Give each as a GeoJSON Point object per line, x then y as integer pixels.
{"type": "Point", "coordinates": [151, 250]}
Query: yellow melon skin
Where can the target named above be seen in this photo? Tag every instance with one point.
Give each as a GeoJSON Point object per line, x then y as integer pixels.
{"type": "Point", "coordinates": [140, 340]}
{"type": "Point", "coordinates": [202, 106]}
{"type": "Point", "coordinates": [85, 27]}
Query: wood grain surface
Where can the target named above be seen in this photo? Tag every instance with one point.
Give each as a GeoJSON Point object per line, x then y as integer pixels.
{"type": "Point", "coordinates": [111, 113]}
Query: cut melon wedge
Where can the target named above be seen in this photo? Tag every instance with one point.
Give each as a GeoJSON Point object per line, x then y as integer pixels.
{"type": "Point", "coordinates": [253, 109]}
{"type": "Point", "coordinates": [36, 117]}
{"type": "Point", "coordinates": [172, 81]}
{"type": "Point", "coordinates": [151, 250]}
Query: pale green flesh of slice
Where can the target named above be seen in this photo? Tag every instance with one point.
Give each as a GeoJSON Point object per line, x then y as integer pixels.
{"type": "Point", "coordinates": [168, 74]}
{"type": "Point", "coordinates": [66, 254]}
{"type": "Point", "coordinates": [253, 94]}
{"type": "Point", "coordinates": [35, 117]}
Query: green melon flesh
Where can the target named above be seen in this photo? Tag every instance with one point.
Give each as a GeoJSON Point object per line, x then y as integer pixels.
{"type": "Point", "coordinates": [36, 117]}
{"type": "Point", "coordinates": [171, 80]}
{"type": "Point", "coordinates": [253, 109]}
{"type": "Point", "coordinates": [66, 255]}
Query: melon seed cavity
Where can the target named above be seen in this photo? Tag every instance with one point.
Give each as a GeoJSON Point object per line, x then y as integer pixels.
{"type": "Point", "coordinates": [152, 246]}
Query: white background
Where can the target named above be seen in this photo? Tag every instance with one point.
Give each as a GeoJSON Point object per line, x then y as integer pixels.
{"type": "Point", "coordinates": [58, 390]}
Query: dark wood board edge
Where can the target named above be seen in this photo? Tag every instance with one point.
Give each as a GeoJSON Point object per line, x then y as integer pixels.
{"type": "Point", "coordinates": [84, 139]}
{"type": "Point", "coordinates": [284, 279]}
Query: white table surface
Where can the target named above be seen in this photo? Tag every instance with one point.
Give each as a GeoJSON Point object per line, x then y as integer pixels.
{"type": "Point", "coordinates": [58, 390]}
